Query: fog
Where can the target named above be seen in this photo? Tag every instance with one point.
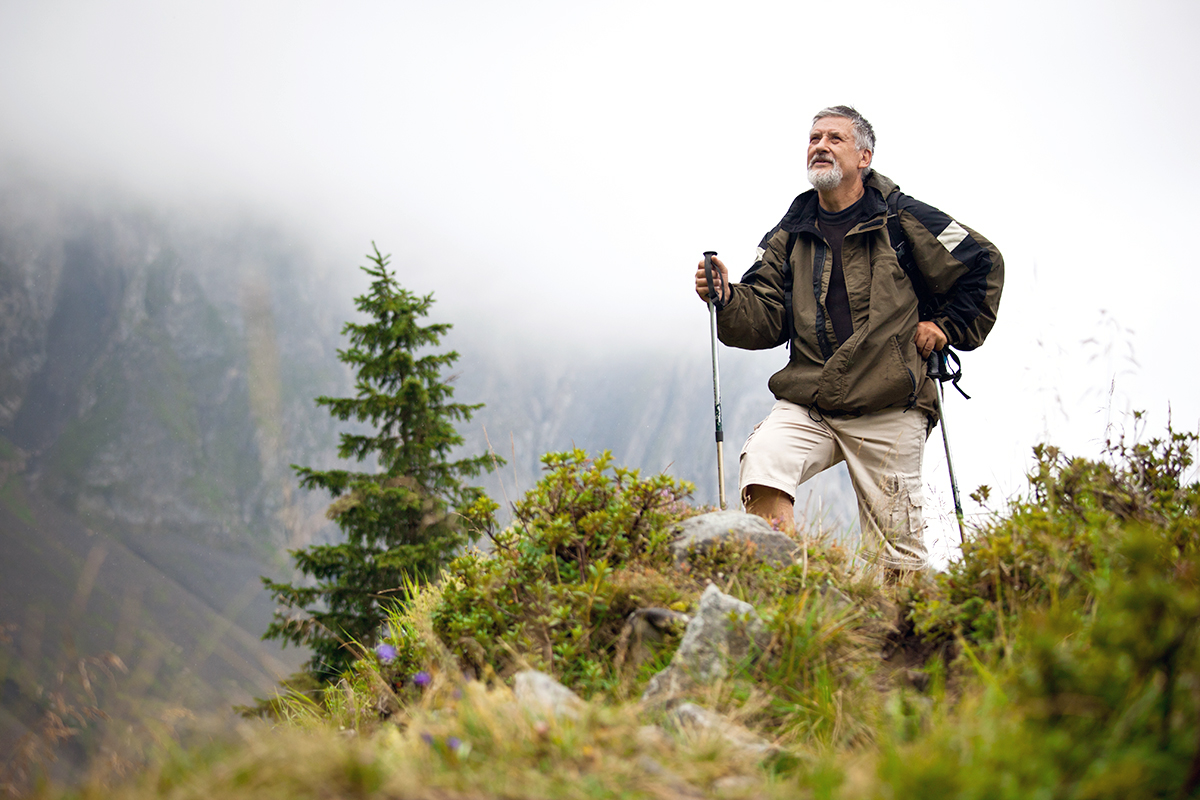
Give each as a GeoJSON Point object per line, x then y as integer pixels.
{"type": "Point", "coordinates": [553, 171]}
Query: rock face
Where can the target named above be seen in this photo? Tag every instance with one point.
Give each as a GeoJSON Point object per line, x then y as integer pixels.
{"type": "Point", "coordinates": [156, 382]}
{"type": "Point", "coordinates": [724, 630]}
{"type": "Point", "coordinates": [702, 532]}
{"type": "Point", "coordinates": [161, 379]}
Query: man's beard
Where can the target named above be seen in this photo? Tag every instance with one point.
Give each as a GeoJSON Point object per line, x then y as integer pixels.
{"type": "Point", "coordinates": [825, 180]}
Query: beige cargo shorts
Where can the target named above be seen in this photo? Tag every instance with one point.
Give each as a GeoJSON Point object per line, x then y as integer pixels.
{"type": "Point", "coordinates": [883, 452]}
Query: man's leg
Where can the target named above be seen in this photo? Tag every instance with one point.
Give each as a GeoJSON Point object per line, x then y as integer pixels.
{"type": "Point", "coordinates": [883, 452]}
{"type": "Point", "coordinates": [772, 505]}
{"type": "Point", "coordinates": [784, 450]}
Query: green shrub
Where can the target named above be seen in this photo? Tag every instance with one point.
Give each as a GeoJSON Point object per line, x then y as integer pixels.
{"type": "Point", "coordinates": [1078, 617]}
{"type": "Point", "coordinates": [588, 546]}
{"type": "Point", "coordinates": [1098, 697]}
{"type": "Point", "coordinates": [1053, 545]}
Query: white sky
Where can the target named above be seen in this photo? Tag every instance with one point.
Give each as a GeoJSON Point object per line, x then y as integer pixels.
{"type": "Point", "coordinates": [555, 169]}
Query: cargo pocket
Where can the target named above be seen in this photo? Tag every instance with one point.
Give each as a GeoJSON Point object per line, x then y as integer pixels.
{"type": "Point", "coordinates": [903, 517]}
{"type": "Point", "coordinates": [746, 446]}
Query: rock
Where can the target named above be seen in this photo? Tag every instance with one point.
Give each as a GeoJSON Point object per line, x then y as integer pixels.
{"type": "Point", "coordinates": [538, 692]}
{"type": "Point", "coordinates": [704, 531]}
{"type": "Point", "coordinates": [652, 737]}
{"type": "Point", "coordinates": [735, 786]}
{"type": "Point", "coordinates": [698, 720]}
{"type": "Point", "coordinates": [670, 780]}
{"type": "Point", "coordinates": [642, 634]}
{"type": "Point", "coordinates": [724, 629]}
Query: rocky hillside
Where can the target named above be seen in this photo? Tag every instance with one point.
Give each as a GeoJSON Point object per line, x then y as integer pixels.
{"type": "Point", "coordinates": [617, 644]}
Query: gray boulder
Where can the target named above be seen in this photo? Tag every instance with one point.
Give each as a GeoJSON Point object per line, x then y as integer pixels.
{"type": "Point", "coordinates": [724, 630]}
{"type": "Point", "coordinates": [702, 532]}
{"type": "Point", "coordinates": [539, 693]}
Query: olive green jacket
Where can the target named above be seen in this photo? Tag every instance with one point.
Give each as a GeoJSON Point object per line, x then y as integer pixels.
{"type": "Point", "coordinates": [878, 366]}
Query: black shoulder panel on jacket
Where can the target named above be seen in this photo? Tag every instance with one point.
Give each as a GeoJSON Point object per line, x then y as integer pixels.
{"type": "Point", "coordinates": [965, 300]}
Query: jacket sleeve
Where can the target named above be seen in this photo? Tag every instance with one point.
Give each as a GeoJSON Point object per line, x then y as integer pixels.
{"type": "Point", "coordinates": [963, 269]}
{"type": "Point", "coordinates": [754, 317]}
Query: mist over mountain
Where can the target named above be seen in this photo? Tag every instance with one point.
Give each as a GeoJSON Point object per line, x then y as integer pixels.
{"type": "Point", "coordinates": [157, 377]}
{"type": "Point", "coordinates": [153, 391]}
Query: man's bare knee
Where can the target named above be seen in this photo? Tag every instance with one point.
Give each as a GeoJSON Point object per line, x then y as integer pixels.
{"type": "Point", "coordinates": [771, 504]}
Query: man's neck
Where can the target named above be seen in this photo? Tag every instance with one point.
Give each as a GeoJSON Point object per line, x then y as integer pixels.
{"type": "Point", "coordinates": [841, 198]}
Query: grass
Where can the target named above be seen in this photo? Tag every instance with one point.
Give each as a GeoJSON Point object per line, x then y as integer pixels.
{"type": "Point", "coordinates": [1059, 657]}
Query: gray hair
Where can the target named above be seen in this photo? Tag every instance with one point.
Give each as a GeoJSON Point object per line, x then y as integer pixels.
{"type": "Point", "coordinates": [864, 134]}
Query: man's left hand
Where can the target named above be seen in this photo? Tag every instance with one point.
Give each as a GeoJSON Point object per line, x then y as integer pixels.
{"type": "Point", "coordinates": [929, 337]}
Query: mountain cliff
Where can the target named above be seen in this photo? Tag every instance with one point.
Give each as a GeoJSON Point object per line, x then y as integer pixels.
{"type": "Point", "coordinates": [153, 392]}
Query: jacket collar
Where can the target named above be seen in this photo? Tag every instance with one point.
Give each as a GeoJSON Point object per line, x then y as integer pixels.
{"type": "Point", "coordinates": [802, 215]}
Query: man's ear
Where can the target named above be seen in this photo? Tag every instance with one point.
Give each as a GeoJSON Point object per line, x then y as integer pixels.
{"type": "Point", "coordinates": [864, 158]}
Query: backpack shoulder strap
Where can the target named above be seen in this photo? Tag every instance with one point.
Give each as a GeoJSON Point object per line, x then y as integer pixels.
{"type": "Point", "coordinates": [926, 302]}
{"type": "Point", "coordinates": [788, 323]}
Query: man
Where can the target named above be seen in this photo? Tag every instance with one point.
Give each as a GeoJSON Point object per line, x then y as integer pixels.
{"type": "Point", "coordinates": [855, 386]}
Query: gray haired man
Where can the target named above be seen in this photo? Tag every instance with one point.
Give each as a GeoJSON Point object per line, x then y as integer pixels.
{"type": "Point", "coordinates": [827, 282]}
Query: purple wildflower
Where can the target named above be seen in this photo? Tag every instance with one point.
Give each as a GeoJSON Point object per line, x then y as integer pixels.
{"type": "Point", "coordinates": [385, 653]}
{"type": "Point", "coordinates": [453, 743]}
{"type": "Point", "coordinates": [422, 679]}
{"type": "Point", "coordinates": [427, 737]}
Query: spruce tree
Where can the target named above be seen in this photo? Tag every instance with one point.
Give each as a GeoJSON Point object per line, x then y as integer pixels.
{"type": "Point", "coordinates": [403, 521]}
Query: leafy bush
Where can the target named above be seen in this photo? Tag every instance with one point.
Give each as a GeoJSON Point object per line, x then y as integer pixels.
{"type": "Point", "coordinates": [1097, 696]}
{"type": "Point", "coordinates": [1053, 545]}
{"type": "Point", "coordinates": [1078, 617]}
{"type": "Point", "coordinates": [588, 546]}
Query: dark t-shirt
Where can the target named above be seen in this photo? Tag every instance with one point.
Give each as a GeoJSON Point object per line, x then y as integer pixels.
{"type": "Point", "coordinates": [834, 227]}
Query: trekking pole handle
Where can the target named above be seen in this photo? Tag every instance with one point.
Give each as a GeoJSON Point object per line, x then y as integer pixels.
{"type": "Point", "coordinates": [935, 365]}
{"type": "Point", "coordinates": [708, 275]}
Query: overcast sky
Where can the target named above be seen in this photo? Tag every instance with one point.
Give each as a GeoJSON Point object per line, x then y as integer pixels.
{"type": "Point", "coordinates": [556, 169]}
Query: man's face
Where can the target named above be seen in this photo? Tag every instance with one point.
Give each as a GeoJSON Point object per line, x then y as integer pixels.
{"type": "Point", "coordinates": [833, 156]}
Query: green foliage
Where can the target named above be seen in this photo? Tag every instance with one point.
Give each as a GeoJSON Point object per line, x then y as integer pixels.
{"type": "Point", "coordinates": [401, 522]}
{"type": "Point", "coordinates": [588, 546]}
{"type": "Point", "coordinates": [1055, 544]}
{"type": "Point", "coordinates": [1074, 613]}
{"type": "Point", "coordinates": [1078, 616]}
{"type": "Point", "coordinates": [735, 567]}
{"type": "Point", "coordinates": [1095, 699]}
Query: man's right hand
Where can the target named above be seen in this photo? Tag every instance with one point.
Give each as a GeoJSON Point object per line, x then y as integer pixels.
{"type": "Point", "coordinates": [720, 278]}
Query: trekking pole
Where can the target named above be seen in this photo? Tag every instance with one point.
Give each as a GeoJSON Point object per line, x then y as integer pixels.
{"type": "Point", "coordinates": [712, 324]}
{"type": "Point", "coordinates": [938, 371]}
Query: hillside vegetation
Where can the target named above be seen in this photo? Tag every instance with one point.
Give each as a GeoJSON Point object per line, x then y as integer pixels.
{"type": "Point", "coordinates": [1056, 658]}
